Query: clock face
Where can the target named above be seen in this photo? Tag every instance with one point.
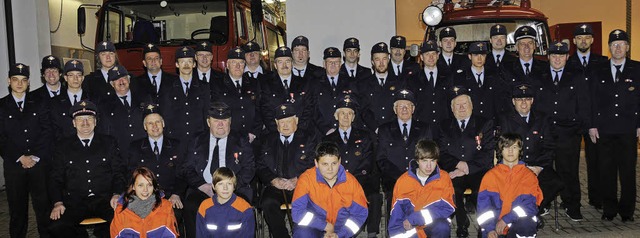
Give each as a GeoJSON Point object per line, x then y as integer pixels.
{"type": "Point", "coordinates": [432, 15]}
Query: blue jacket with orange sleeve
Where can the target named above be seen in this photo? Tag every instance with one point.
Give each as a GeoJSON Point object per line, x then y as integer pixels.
{"type": "Point", "coordinates": [315, 203]}
{"type": "Point", "coordinates": [231, 219]}
{"type": "Point", "coordinates": [510, 192]}
{"type": "Point", "coordinates": [419, 203]}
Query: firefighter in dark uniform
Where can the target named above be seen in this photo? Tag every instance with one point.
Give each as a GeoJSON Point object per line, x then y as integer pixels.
{"type": "Point", "coordinates": [587, 62]}
{"type": "Point", "coordinates": [526, 69]}
{"type": "Point", "coordinates": [252, 57]}
{"type": "Point", "coordinates": [122, 111]}
{"type": "Point", "coordinates": [538, 146]}
{"type": "Point", "coordinates": [204, 57]}
{"type": "Point", "coordinates": [283, 156]}
{"type": "Point", "coordinates": [154, 82]}
{"type": "Point", "coordinates": [164, 156]}
{"type": "Point", "coordinates": [431, 87]}
{"type": "Point", "coordinates": [25, 144]}
{"type": "Point", "coordinates": [616, 127]}
{"type": "Point", "coordinates": [87, 176]}
{"type": "Point", "coordinates": [242, 93]}
{"type": "Point", "coordinates": [377, 92]}
{"type": "Point", "coordinates": [331, 85]}
{"type": "Point", "coordinates": [97, 82]}
{"type": "Point", "coordinates": [51, 72]}
{"type": "Point", "coordinates": [564, 97]}
{"type": "Point", "coordinates": [210, 150]}
{"type": "Point", "coordinates": [301, 65]}
{"type": "Point", "coordinates": [488, 92]}
{"type": "Point", "coordinates": [402, 68]}
{"type": "Point", "coordinates": [357, 157]}
{"type": "Point", "coordinates": [186, 103]}
{"type": "Point", "coordinates": [498, 57]}
{"type": "Point", "coordinates": [450, 61]}
{"type": "Point", "coordinates": [466, 142]}
{"type": "Point", "coordinates": [60, 105]}
{"type": "Point", "coordinates": [351, 66]}
{"type": "Point", "coordinates": [284, 87]}
{"type": "Point", "coordinates": [397, 141]}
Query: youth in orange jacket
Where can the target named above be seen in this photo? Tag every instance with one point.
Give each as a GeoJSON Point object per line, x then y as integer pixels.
{"type": "Point", "coordinates": [509, 194]}
{"type": "Point", "coordinates": [142, 211]}
{"type": "Point", "coordinates": [422, 197]}
{"type": "Point", "coordinates": [328, 201]}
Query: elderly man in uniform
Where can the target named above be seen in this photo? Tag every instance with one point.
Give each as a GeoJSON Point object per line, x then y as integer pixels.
{"type": "Point", "coordinates": [331, 85]}
{"type": "Point", "coordinates": [449, 61]}
{"type": "Point", "coordinates": [25, 141]}
{"type": "Point", "coordinates": [252, 57]}
{"type": "Point", "coordinates": [526, 69]}
{"type": "Point", "coordinates": [242, 93]}
{"type": "Point", "coordinates": [467, 143]}
{"type": "Point", "coordinates": [51, 72]}
{"type": "Point", "coordinates": [498, 57]}
{"type": "Point", "coordinates": [301, 65]}
{"type": "Point", "coordinates": [87, 176]}
{"type": "Point", "coordinates": [397, 141]}
{"type": "Point", "coordinates": [351, 67]}
{"type": "Point", "coordinates": [538, 143]}
{"type": "Point", "coordinates": [97, 82]}
{"type": "Point", "coordinates": [284, 155]}
{"type": "Point", "coordinates": [357, 157]}
{"type": "Point", "coordinates": [401, 68]}
{"type": "Point", "coordinates": [218, 147]}
{"type": "Point", "coordinates": [586, 62]}
{"type": "Point", "coordinates": [186, 103]}
{"type": "Point", "coordinates": [616, 128]}
{"type": "Point", "coordinates": [285, 87]}
{"type": "Point", "coordinates": [154, 82]}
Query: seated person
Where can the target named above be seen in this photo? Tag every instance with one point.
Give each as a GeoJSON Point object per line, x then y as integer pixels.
{"type": "Point", "coordinates": [225, 215]}
{"type": "Point", "coordinates": [328, 201]}
{"type": "Point", "coordinates": [509, 194]}
{"type": "Point", "coordinates": [422, 197]}
{"type": "Point", "coordinates": [142, 210]}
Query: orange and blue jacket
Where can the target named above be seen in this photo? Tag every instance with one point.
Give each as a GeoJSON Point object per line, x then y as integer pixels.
{"type": "Point", "coordinates": [231, 219]}
{"type": "Point", "coordinates": [420, 204]}
{"type": "Point", "coordinates": [315, 203]}
{"type": "Point", "coordinates": [507, 194]}
{"type": "Point", "coordinates": [160, 223]}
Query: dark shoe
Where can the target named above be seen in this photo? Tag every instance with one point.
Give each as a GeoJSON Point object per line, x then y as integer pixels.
{"type": "Point", "coordinates": [462, 233]}
{"type": "Point", "coordinates": [627, 219]}
{"type": "Point", "coordinates": [540, 223]}
{"type": "Point", "coordinates": [574, 214]}
{"type": "Point", "coordinates": [607, 218]}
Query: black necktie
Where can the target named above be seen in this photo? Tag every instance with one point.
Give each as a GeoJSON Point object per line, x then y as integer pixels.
{"type": "Point", "coordinates": [286, 84]}
{"type": "Point", "coordinates": [618, 73]}
{"type": "Point", "coordinates": [333, 83]}
{"type": "Point", "coordinates": [462, 124]}
{"type": "Point", "coordinates": [155, 83]}
{"type": "Point", "coordinates": [382, 82]}
{"type": "Point", "coordinates": [584, 61]}
{"type": "Point", "coordinates": [299, 72]}
{"type": "Point", "coordinates": [524, 118]}
{"type": "Point", "coordinates": [204, 77]}
{"type": "Point", "coordinates": [125, 102]}
{"type": "Point", "coordinates": [431, 80]}
{"type": "Point", "coordinates": [55, 93]}
{"type": "Point", "coordinates": [556, 78]}
{"type": "Point", "coordinates": [156, 150]}
{"type": "Point", "coordinates": [352, 73]}
{"type": "Point", "coordinates": [346, 139]}
{"type": "Point", "coordinates": [479, 81]}
{"type": "Point", "coordinates": [399, 72]}
{"type": "Point", "coordinates": [214, 156]}
{"type": "Point", "coordinates": [20, 105]}
{"type": "Point", "coordinates": [86, 143]}
{"type": "Point", "coordinates": [526, 71]}
{"type": "Point", "coordinates": [449, 62]}
{"type": "Point", "coordinates": [75, 99]}
{"type": "Point", "coordinates": [498, 60]}
{"type": "Point", "coordinates": [286, 141]}
{"type": "Point", "coordinates": [405, 132]}
{"type": "Point", "coordinates": [254, 74]}
{"type": "Point", "coordinates": [238, 86]}
{"type": "Point", "coordinates": [186, 88]}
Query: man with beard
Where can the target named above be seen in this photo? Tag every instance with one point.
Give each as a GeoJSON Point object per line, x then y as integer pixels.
{"type": "Point", "coordinates": [498, 57]}
{"type": "Point", "coordinates": [351, 48]}
{"type": "Point", "coordinates": [97, 83]}
{"type": "Point", "coordinates": [253, 67]}
{"type": "Point", "coordinates": [154, 82]}
{"type": "Point", "coordinates": [404, 69]}
{"type": "Point", "coordinates": [51, 74]}
{"type": "Point", "coordinates": [450, 61]}
{"type": "Point", "coordinates": [301, 65]}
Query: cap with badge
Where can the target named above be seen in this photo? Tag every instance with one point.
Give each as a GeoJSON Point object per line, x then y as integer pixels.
{"type": "Point", "coordinates": [429, 46]}
{"type": "Point", "coordinates": [583, 29]}
{"type": "Point", "coordinates": [105, 46]}
{"type": "Point", "coordinates": [398, 42]}
{"type": "Point", "coordinates": [559, 47]}
{"type": "Point", "coordinates": [150, 109]}
{"type": "Point", "coordinates": [117, 72]}
{"type": "Point", "coordinates": [351, 43]}
{"type": "Point", "coordinates": [73, 65]}
{"type": "Point", "coordinates": [19, 69]}
{"type": "Point", "coordinates": [203, 46]}
{"type": "Point", "coordinates": [524, 32]}
{"type": "Point", "coordinates": [332, 52]}
{"type": "Point", "coordinates": [498, 29]}
{"type": "Point", "coordinates": [83, 108]}
{"type": "Point", "coordinates": [284, 111]}
{"type": "Point", "coordinates": [380, 47]}
{"type": "Point", "coordinates": [283, 51]}
{"type": "Point", "coordinates": [219, 110]}
{"type": "Point", "coordinates": [250, 47]}
{"type": "Point", "coordinates": [185, 52]}
{"type": "Point", "coordinates": [347, 102]}
{"type": "Point", "coordinates": [236, 53]}
{"type": "Point", "coordinates": [300, 40]}
{"type": "Point", "coordinates": [150, 48]}
{"type": "Point", "coordinates": [405, 94]}
{"type": "Point", "coordinates": [618, 34]}
{"type": "Point", "coordinates": [478, 48]}
{"type": "Point", "coordinates": [522, 91]}
{"type": "Point", "coordinates": [447, 32]}
{"type": "Point", "coordinates": [458, 91]}
{"type": "Point", "coordinates": [51, 62]}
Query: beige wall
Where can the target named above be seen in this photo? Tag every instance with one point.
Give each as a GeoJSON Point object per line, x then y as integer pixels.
{"type": "Point", "coordinates": [611, 13]}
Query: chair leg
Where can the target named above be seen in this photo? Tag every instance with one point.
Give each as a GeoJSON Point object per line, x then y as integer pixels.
{"type": "Point", "coordinates": [555, 207]}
